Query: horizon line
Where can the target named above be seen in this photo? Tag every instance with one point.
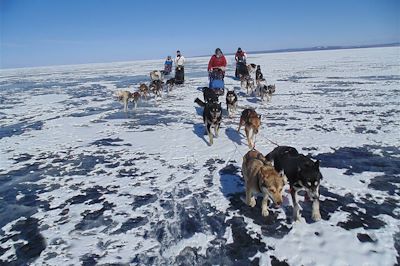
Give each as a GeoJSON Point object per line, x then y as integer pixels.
{"type": "Point", "coordinates": [282, 50]}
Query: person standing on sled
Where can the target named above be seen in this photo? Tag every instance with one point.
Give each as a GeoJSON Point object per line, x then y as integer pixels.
{"type": "Point", "coordinates": [168, 65]}
{"type": "Point", "coordinates": [240, 58]}
{"type": "Point", "coordinates": [216, 70]}
{"type": "Point", "coordinates": [179, 68]}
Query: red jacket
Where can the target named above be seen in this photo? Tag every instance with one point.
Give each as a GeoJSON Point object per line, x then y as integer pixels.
{"type": "Point", "coordinates": [216, 62]}
{"type": "Point", "coordinates": [240, 55]}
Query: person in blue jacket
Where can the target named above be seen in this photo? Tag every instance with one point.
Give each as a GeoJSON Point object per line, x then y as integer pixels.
{"type": "Point", "coordinates": [168, 65]}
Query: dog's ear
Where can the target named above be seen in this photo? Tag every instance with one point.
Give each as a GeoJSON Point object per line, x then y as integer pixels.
{"type": "Point", "coordinates": [316, 164]}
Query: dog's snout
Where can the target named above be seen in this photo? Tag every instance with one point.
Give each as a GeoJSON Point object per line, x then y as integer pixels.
{"type": "Point", "coordinates": [278, 200]}
{"type": "Point", "coordinates": [314, 195]}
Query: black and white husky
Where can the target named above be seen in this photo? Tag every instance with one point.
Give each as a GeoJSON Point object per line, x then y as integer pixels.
{"type": "Point", "coordinates": [302, 173]}
{"type": "Point", "coordinates": [266, 91]}
{"type": "Point", "coordinates": [231, 102]}
{"type": "Point", "coordinates": [212, 116]}
{"type": "Point", "coordinates": [247, 82]}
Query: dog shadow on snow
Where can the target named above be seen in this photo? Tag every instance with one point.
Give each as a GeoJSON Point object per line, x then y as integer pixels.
{"type": "Point", "coordinates": [200, 131]}
{"type": "Point", "coordinates": [253, 99]}
{"type": "Point", "coordinates": [233, 135]}
{"type": "Point", "coordinates": [232, 187]}
{"type": "Point", "coordinates": [199, 110]}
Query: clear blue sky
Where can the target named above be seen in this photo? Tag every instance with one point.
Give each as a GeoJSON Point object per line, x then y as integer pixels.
{"type": "Point", "coordinates": [54, 32]}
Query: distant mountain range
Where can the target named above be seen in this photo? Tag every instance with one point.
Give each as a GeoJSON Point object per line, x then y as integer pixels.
{"type": "Point", "coordinates": [318, 48]}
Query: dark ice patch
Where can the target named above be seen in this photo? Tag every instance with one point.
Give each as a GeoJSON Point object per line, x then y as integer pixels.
{"type": "Point", "coordinates": [83, 164]}
{"type": "Point", "coordinates": [93, 219]}
{"type": "Point", "coordinates": [143, 200]}
{"type": "Point", "coordinates": [362, 159]}
{"type": "Point", "coordinates": [364, 130]}
{"type": "Point", "coordinates": [272, 124]}
{"type": "Point", "coordinates": [107, 142]}
{"type": "Point", "coordinates": [389, 183]}
{"type": "Point", "coordinates": [357, 217]}
{"type": "Point", "coordinates": [361, 220]}
{"type": "Point", "coordinates": [92, 90]}
{"type": "Point", "coordinates": [271, 226]}
{"type": "Point", "coordinates": [22, 157]}
{"type": "Point", "coordinates": [153, 117]}
{"type": "Point", "coordinates": [324, 128]}
{"type": "Point", "coordinates": [27, 230]}
{"type": "Point", "coordinates": [295, 78]}
{"type": "Point", "coordinates": [21, 181]}
{"type": "Point", "coordinates": [381, 77]}
{"type": "Point", "coordinates": [276, 262]}
{"type": "Point", "coordinates": [19, 128]}
{"type": "Point", "coordinates": [196, 216]}
{"type": "Point", "coordinates": [89, 259]}
{"type": "Point", "coordinates": [91, 195]}
{"type": "Point", "coordinates": [131, 223]}
{"type": "Point", "coordinates": [243, 246]}
{"type": "Point", "coordinates": [364, 238]}
{"type": "Point", "coordinates": [128, 172]}
{"type": "Point", "coordinates": [88, 111]}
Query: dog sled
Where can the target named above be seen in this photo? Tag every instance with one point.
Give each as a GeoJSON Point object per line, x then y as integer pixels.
{"type": "Point", "coordinates": [179, 75]}
{"type": "Point", "coordinates": [167, 69]}
{"type": "Point", "coordinates": [217, 81]}
{"type": "Point", "coordinates": [241, 69]}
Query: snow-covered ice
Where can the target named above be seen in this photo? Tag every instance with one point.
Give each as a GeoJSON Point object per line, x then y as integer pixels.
{"type": "Point", "coordinates": [83, 183]}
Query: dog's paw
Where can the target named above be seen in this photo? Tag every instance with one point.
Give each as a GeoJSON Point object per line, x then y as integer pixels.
{"type": "Point", "coordinates": [264, 212]}
{"type": "Point", "coordinates": [316, 216]}
{"type": "Point", "coordinates": [252, 202]}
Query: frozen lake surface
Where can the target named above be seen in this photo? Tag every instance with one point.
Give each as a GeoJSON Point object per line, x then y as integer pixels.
{"type": "Point", "coordinates": [83, 183]}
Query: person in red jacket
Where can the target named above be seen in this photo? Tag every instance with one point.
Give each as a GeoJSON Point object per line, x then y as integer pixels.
{"type": "Point", "coordinates": [216, 69]}
{"type": "Point", "coordinates": [240, 55]}
{"type": "Point", "coordinates": [217, 61]}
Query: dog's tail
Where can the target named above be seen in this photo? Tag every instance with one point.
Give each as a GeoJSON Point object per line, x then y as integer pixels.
{"type": "Point", "coordinates": [199, 102]}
